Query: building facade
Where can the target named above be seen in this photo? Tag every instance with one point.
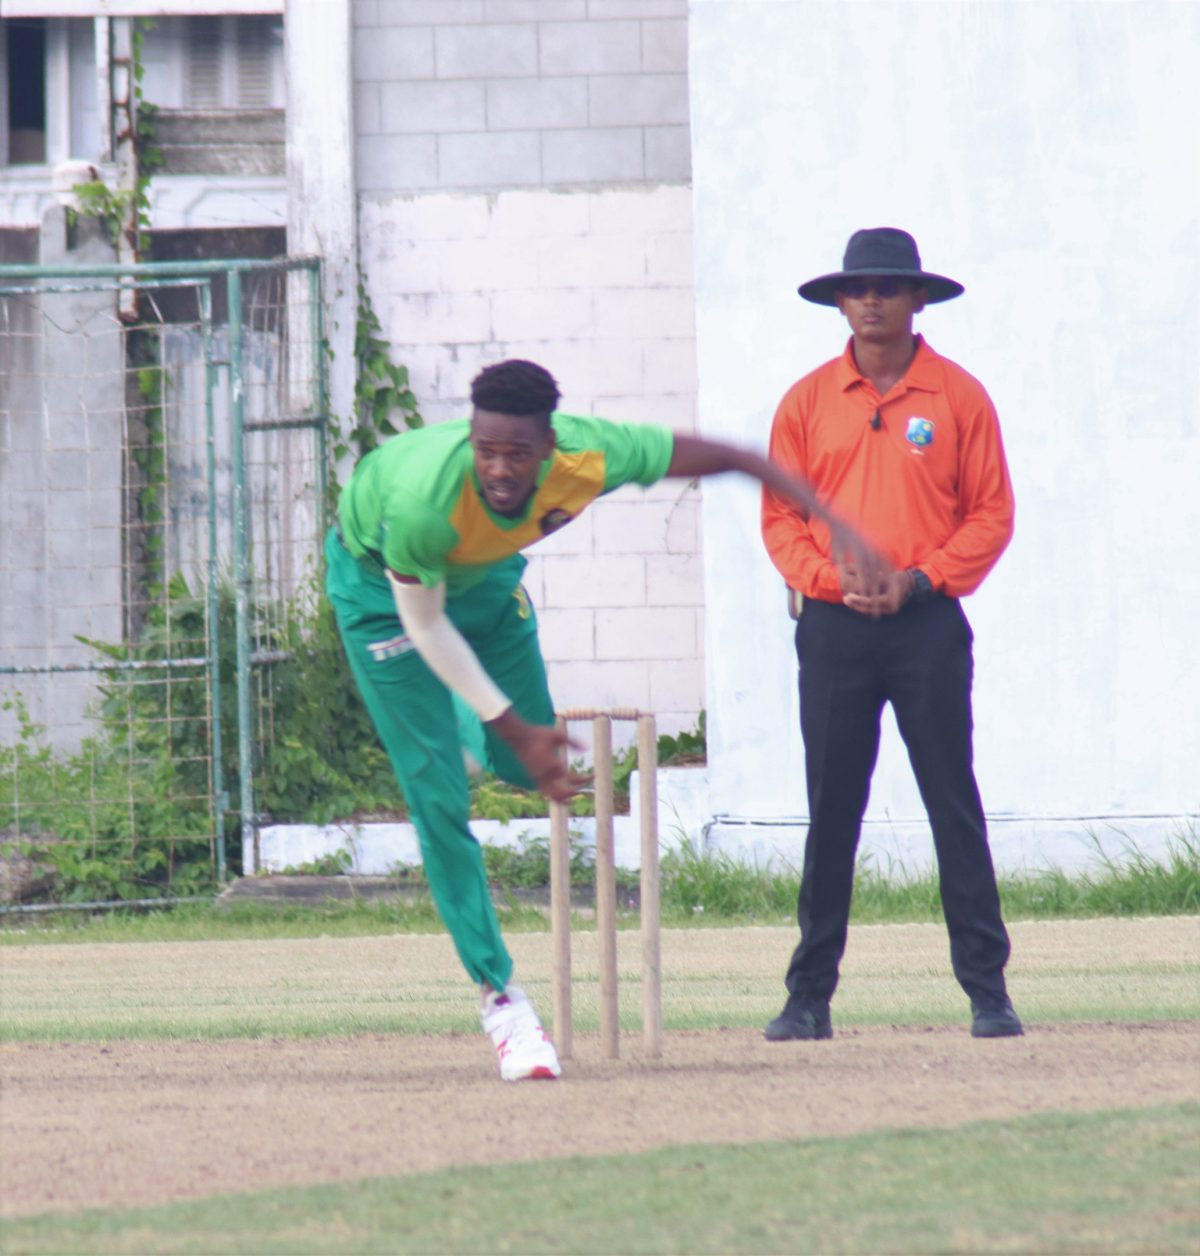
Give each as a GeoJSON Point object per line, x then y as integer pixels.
{"type": "Point", "coordinates": [628, 191]}
{"type": "Point", "coordinates": [503, 179]}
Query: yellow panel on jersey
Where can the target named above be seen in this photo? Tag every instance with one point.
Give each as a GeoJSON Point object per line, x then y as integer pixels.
{"type": "Point", "coordinates": [572, 482]}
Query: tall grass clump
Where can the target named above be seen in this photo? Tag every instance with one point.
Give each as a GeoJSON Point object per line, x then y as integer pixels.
{"type": "Point", "coordinates": [1135, 885]}
{"type": "Point", "coordinates": [714, 885]}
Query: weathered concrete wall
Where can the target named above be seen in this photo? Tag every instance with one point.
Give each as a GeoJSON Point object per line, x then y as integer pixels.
{"type": "Point", "coordinates": [505, 94]}
{"type": "Point", "coordinates": [523, 189]}
{"type": "Point", "coordinates": [222, 142]}
{"type": "Point", "coordinates": [322, 209]}
{"type": "Point", "coordinates": [62, 411]}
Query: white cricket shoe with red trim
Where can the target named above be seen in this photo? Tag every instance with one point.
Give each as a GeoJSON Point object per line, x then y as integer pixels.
{"type": "Point", "coordinates": [526, 1052]}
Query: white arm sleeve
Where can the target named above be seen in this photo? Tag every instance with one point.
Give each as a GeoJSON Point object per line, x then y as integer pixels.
{"type": "Point", "coordinates": [443, 647]}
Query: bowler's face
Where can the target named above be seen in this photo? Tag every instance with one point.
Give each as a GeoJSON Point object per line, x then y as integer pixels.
{"type": "Point", "coordinates": [509, 450]}
{"type": "Point", "coordinates": [880, 308]}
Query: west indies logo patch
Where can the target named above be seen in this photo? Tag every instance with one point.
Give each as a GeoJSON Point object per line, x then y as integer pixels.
{"type": "Point", "coordinates": [919, 432]}
{"type": "Point", "coordinates": [554, 519]}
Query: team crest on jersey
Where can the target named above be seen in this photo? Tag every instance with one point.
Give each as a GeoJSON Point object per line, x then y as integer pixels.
{"type": "Point", "coordinates": [920, 432]}
{"type": "Point", "coordinates": [554, 519]}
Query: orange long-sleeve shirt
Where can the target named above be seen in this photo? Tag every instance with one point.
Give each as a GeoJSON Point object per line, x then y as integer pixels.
{"type": "Point", "coordinates": [929, 485]}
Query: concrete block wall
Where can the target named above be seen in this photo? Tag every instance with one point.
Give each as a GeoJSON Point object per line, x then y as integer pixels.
{"type": "Point", "coordinates": [523, 175]}
{"type": "Point", "coordinates": [62, 411]}
{"type": "Point", "coordinates": [497, 94]}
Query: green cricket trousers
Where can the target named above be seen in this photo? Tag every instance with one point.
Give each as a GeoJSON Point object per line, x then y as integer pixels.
{"type": "Point", "coordinates": [424, 728]}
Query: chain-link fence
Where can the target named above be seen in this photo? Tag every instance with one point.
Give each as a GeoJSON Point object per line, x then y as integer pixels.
{"type": "Point", "coordinates": [162, 493]}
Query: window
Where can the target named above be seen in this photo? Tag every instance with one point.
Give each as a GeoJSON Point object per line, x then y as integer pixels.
{"type": "Point", "coordinates": [25, 74]}
{"type": "Point", "coordinates": [49, 94]}
{"type": "Point", "coordinates": [258, 44]}
{"type": "Point", "coordinates": [232, 62]}
{"type": "Point", "coordinates": [204, 62]}
{"type": "Point", "coordinates": [54, 107]}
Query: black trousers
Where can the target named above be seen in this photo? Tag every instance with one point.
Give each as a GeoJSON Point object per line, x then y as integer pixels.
{"type": "Point", "coordinates": [920, 661]}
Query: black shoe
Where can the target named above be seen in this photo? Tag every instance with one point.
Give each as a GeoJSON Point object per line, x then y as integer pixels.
{"type": "Point", "coordinates": [995, 1020]}
{"type": "Point", "coordinates": [800, 1019]}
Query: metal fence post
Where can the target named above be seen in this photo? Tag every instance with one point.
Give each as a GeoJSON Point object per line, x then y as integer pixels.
{"type": "Point", "coordinates": [241, 564]}
{"type": "Point", "coordinates": [213, 646]}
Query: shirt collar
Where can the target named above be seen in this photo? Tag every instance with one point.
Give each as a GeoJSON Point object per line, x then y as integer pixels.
{"type": "Point", "coordinates": [921, 373]}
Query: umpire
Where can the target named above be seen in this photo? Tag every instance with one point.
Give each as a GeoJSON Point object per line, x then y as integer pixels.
{"type": "Point", "coordinates": [906, 445]}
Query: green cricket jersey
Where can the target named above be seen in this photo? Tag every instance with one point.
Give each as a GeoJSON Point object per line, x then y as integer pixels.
{"type": "Point", "coordinates": [415, 502]}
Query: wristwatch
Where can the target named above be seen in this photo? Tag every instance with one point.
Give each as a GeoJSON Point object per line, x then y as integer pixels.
{"type": "Point", "coordinates": [922, 586]}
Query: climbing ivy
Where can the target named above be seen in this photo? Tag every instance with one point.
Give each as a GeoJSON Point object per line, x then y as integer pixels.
{"type": "Point", "coordinates": [381, 387]}
{"type": "Point", "coordinates": [148, 471]}
{"type": "Point", "coordinates": [97, 200]}
{"type": "Point", "coordinates": [147, 155]}
{"type": "Point", "coordinates": [111, 205]}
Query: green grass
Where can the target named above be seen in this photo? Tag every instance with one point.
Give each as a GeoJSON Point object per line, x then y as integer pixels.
{"type": "Point", "coordinates": [249, 921]}
{"type": "Point", "coordinates": [409, 983]}
{"type": "Point", "coordinates": [719, 887]}
{"type": "Point", "coordinates": [1112, 1182]}
{"type": "Point", "coordinates": [697, 889]}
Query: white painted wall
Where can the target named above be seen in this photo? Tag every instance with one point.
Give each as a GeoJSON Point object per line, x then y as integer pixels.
{"type": "Point", "coordinates": [1036, 152]}
{"type": "Point", "coordinates": [321, 202]}
{"type": "Point", "coordinates": [596, 285]}
{"type": "Point", "coordinates": [522, 177]}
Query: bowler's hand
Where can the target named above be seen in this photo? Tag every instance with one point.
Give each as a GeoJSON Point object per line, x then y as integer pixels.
{"type": "Point", "coordinates": [866, 575]}
{"type": "Point", "coordinates": [874, 595]}
{"type": "Point", "coordinates": [540, 748]}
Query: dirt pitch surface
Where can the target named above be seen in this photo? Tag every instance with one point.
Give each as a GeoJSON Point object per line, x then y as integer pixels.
{"type": "Point", "coordinates": [147, 1122]}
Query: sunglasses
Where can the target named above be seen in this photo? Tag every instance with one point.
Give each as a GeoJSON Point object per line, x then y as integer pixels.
{"type": "Point", "coordinates": [884, 288]}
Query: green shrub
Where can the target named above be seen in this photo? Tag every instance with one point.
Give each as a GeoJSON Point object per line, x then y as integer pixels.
{"type": "Point", "coordinates": [132, 812]}
{"type": "Point", "coordinates": [103, 823]}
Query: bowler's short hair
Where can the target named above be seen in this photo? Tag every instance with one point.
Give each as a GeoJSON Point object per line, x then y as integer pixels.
{"type": "Point", "coordinates": [516, 387]}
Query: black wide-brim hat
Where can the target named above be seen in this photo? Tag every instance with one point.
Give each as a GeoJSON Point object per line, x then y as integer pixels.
{"type": "Point", "coordinates": [882, 251]}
